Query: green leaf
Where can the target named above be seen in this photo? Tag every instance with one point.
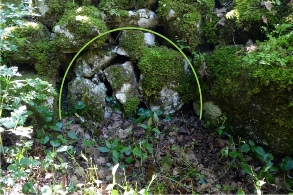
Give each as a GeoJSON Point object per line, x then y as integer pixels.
{"type": "Point", "coordinates": [126, 150]}
{"type": "Point", "coordinates": [157, 131]}
{"type": "Point", "coordinates": [114, 192]}
{"type": "Point", "coordinates": [79, 105]}
{"type": "Point", "coordinates": [25, 161]}
{"type": "Point", "coordinates": [45, 139]}
{"type": "Point", "coordinates": [159, 112]}
{"type": "Point", "coordinates": [240, 192]}
{"type": "Point", "coordinates": [28, 187]}
{"type": "Point", "coordinates": [244, 148]}
{"type": "Point", "coordinates": [72, 135]}
{"type": "Point", "coordinates": [156, 117]}
{"type": "Point", "coordinates": [104, 149]}
{"type": "Point", "coordinates": [260, 151]}
{"type": "Point", "coordinates": [250, 142]}
{"type": "Point", "coordinates": [129, 160]}
{"type": "Point", "coordinates": [144, 126]}
{"type": "Point", "coordinates": [55, 143]}
{"type": "Point", "coordinates": [115, 154]}
{"type": "Point", "coordinates": [57, 126]}
{"type": "Point", "coordinates": [246, 168]}
{"type": "Point", "coordinates": [63, 148]}
{"type": "Point", "coordinates": [268, 157]}
{"type": "Point", "coordinates": [234, 154]}
{"type": "Point", "coordinates": [108, 144]}
{"type": "Point", "coordinates": [136, 152]}
{"type": "Point", "coordinates": [287, 164]}
{"type": "Point", "coordinates": [148, 147]}
{"type": "Point", "coordinates": [48, 119]}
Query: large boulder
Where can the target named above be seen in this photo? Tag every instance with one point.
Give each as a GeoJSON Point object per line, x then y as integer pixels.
{"type": "Point", "coordinates": [77, 27]}
{"type": "Point", "coordinates": [254, 90]}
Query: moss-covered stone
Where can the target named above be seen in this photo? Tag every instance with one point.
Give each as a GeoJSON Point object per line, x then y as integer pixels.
{"type": "Point", "coordinates": [33, 47]}
{"type": "Point", "coordinates": [51, 11]}
{"type": "Point", "coordinates": [181, 21]}
{"type": "Point", "coordinates": [254, 90]}
{"type": "Point", "coordinates": [162, 67]}
{"type": "Point", "coordinates": [107, 5]}
{"type": "Point", "coordinates": [131, 105]}
{"type": "Point", "coordinates": [77, 27]}
{"type": "Point", "coordinates": [133, 43]}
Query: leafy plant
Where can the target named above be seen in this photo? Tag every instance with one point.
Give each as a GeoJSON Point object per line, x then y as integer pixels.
{"type": "Point", "coordinates": [117, 151]}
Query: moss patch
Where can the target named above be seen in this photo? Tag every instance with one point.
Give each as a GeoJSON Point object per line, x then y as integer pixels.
{"type": "Point", "coordinates": [131, 105]}
{"type": "Point", "coordinates": [164, 67]}
{"type": "Point", "coordinates": [254, 90]}
{"type": "Point", "coordinates": [78, 26]}
{"type": "Point", "coordinates": [133, 43]}
{"type": "Point", "coordinates": [33, 47]}
{"type": "Point", "coordinates": [184, 23]}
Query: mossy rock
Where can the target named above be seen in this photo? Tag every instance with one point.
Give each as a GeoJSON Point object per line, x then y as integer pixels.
{"type": "Point", "coordinates": [182, 21]}
{"type": "Point", "coordinates": [33, 47]}
{"type": "Point", "coordinates": [162, 67]}
{"type": "Point", "coordinates": [77, 27]}
{"type": "Point", "coordinates": [52, 10]}
{"type": "Point", "coordinates": [108, 5]}
{"type": "Point", "coordinates": [133, 43]}
{"type": "Point", "coordinates": [255, 96]}
{"type": "Point", "coordinates": [123, 82]}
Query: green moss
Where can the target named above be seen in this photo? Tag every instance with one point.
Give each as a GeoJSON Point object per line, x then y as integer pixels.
{"type": "Point", "coordinates": [84, 23]}
{"type": "Point", "coordinates": [120, 4]}
{"type": "Point", "coordinates": [118, 77]}
{"type": "Point", "coordinates": [131, 105]}
{"type": "Point", "coordinates": [254, 95]}
{"type": "Point", "coordinates": [133, 43]}
{"type": "Point", "coordinates": [160, 67]}
{"type": "Point", "coordinates": [186, 22]}
{"type": "Point", "coordinates": [54, 13]}
{"type": "Point", "coordinates": [33, 47]}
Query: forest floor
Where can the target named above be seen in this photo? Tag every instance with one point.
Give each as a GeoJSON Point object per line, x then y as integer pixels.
{"type": "Point", "coordinates": [185, 155]}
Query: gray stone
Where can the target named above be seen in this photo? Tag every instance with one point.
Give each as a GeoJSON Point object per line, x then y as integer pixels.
{"type": "Point", "coordinates": [92, 61]}
{"type": "Point", "coordinates": [93, 95]}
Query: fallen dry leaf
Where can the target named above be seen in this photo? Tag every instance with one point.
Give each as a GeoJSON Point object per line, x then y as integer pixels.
{"type": "Point", "coordinates": [268, 5]}
{"type": "Point", "coordinates": [264, 19]}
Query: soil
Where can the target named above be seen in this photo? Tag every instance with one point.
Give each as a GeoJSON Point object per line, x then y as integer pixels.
{"type": "Point", "coordinates": [186, 158]}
